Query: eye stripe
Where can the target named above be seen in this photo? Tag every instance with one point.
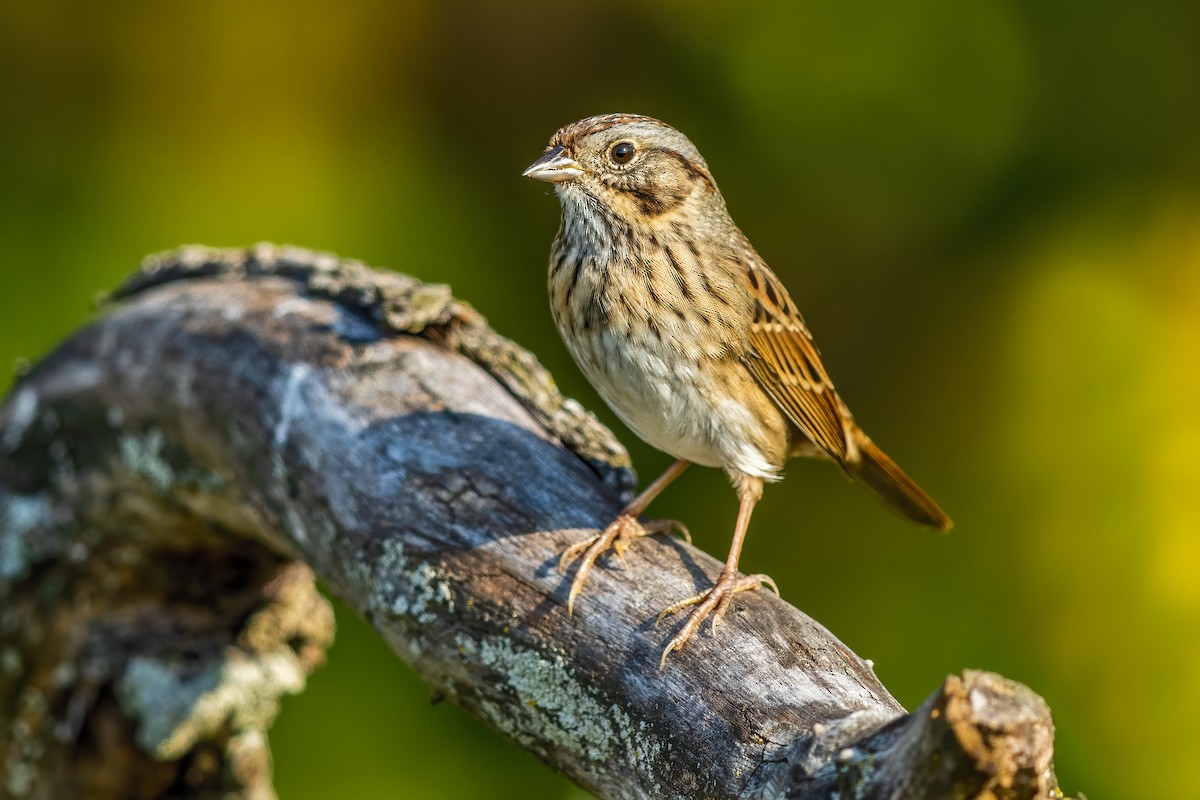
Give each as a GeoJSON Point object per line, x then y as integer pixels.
{"type": "Point", "coordinates": [692, 170]}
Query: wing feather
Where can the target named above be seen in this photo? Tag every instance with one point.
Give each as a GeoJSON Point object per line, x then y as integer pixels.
{"type": "Point", "coordinates": [786, 363]}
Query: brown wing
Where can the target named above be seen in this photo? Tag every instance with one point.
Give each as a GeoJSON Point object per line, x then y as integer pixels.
{"type": "Point", "coordinates": [786, 363]}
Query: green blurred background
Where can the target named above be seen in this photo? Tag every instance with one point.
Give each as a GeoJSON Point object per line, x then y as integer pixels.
{"type": "Point", "coordinates": [989, 212]}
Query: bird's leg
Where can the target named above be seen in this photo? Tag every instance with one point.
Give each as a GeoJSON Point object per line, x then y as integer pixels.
{"type": "Point", "coordinates": [624, 529]}
{"type": "Point", "coordinates": [715, 601]}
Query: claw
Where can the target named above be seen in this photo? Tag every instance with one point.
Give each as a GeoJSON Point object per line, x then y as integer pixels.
{"type": "Point", "coordinates": [616, 537]}
{"type": "Point", "coordinates": [573, 552]}
{"type": "Point", "coordinates": [677, 607]}
{"type": "Point", "coordinates": [714, 602]}
{"type": "Point", "coordinates": [619, 547]}
{"type": "Point", "coordinates": [673, 526]}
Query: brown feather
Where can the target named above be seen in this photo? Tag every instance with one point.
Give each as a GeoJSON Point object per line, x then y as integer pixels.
{"type": "Point", "coordinates": [879, 472]}
{"type": "Point", "coordinates": [786, 364]}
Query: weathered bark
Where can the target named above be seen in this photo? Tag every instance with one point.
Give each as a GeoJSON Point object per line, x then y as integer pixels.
{"type": "Point", "coordinates": [177, 473]}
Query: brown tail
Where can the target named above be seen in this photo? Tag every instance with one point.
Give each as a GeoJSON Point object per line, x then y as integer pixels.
{"type": "Point", "coordinates": [899, 491]}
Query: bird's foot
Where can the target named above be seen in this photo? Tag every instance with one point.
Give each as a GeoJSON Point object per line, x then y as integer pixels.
{"type": "Point", "coordinates": [617, 537]}
{"type": "Point", "coordinates": [714, 602]}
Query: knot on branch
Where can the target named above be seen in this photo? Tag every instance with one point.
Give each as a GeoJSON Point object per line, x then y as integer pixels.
{"type": "Point", "coordinates": [979, 736]}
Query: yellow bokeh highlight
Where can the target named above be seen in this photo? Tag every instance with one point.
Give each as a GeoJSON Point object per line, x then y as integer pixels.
{"type": "Point", "coordinates": [1103, 428]}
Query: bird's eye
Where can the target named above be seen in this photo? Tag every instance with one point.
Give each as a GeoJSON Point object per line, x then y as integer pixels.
{"type": "Point", "coordinates": [622, 152]}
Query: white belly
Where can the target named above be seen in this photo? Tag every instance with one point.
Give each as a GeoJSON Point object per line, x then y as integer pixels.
{"type": "Point", "coordinates": [669, 402]}
{"type": "Point", "coordinates": [658, 377]}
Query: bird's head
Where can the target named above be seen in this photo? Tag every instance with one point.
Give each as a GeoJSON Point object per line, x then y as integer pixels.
{"type": "Point", "coordinates": [633, 167]}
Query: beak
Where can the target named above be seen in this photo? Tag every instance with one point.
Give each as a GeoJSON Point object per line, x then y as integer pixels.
{"type": "Point", "coordinates": [554, 167]}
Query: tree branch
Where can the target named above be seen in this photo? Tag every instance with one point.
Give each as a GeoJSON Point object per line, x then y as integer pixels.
{"type": "Point", "coordinates": [177, 473]}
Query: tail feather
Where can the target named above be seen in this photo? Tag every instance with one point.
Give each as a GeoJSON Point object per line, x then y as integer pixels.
{"type": "Point", "coordinates": [899, 491]}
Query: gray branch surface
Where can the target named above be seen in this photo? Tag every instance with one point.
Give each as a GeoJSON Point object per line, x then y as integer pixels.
{"type": "Point", "coordinates": [175, 477]}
